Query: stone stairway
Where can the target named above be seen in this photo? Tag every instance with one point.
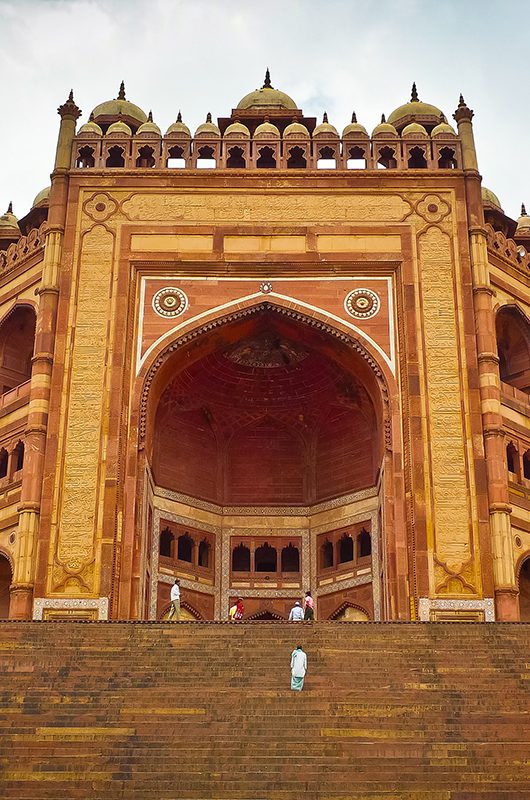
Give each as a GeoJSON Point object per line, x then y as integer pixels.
{"type": "Point", "coordinates": [203, 711]}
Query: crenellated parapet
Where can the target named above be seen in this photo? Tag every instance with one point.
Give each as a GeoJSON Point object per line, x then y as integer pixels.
{"type": "Point", "coordinates": [22, 250]}
{"type": "Point", "coordinates": [502, 246]}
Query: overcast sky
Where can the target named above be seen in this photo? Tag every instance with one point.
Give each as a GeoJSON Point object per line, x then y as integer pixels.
{"type": "Point", "coordinates": [204, 55]}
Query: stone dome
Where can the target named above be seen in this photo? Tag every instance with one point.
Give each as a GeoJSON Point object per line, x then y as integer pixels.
{"type": "Point", "coordinates": [384, 128]}
{"type": "Point", "coordinates": [354, 129]}
{"type": "Point", "coordinates": [268, 130]}
{"type": "Point", "coordinates": [208, 128]}
{"type": "Point", "coordinates": [296, 130]}
{"type": "Point", "coordinates": [178, 129]}
{"type": "Point", "coordinates": [90, 128]}
{"type": "Point", "coordinates": [149, 128]}
{"type": "Point", "coordinates": [113, 109]}
{"type": "Point", "coordinates": [414, 129]}
{"type": "Point", "coordinates": [416, 111]}
{"type": "Point", "coordinates": [325, 128]}
{"type": "Point", "coordinates": [237, 131]}
{"type": "Point", "coordinates": [42, 198]}
{"type": "Point", "coordinates": [119, 128]}
{"type": "Point", "coordinates": [8, 221]}
{"type": "Point", "coordinates": [490, 198]}
{"type": "Point", "coordinates": [443, 129]}
{"type": "Point", "coordinates": [267, 97]}
{"type": "Point", "coordinates": [523, 223]}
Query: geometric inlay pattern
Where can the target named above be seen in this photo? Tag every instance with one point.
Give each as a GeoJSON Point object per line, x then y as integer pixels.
{"type": "Point", "coordinates": [362, 303]}
{"type": "Point", "coordinates": [170, 302]}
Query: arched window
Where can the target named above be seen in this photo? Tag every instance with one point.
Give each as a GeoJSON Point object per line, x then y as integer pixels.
{"type": "Point", "coordinates": [265, 558]}
{"type": "Point", "coordinates": [290, 559]}
{"type": "Point", "coordinates": [524, 591]}
{"type": "Point", "coordinates": [526, 465]}
{"type": "Point", "coordinates": [387, 158]}
{"type": "Point", "coordinates": [185, 548]}
{"type": "Point", "coordinates": [166, 543]}
{"type": "Point", "coordinates": [18, 457]}
{"type": "Point", "coordinates": [204, 553]}
{"type": "Point", "coordinates": [5, 582]}
{"type": "Point", "coordinates": [205, 158]}
{"type": "Point", "coordinates": [235, 158]}
{"type": "Point", "coordinates": [175, 158]}
{"type": "Point", "coordinates": [326, 553]}
{"type": "Point", "coordinates": [266, 158]}
{"type": "Point", "coordinates": [241, 559]}
{"type": "Point", "coordinates": [511, 458]}
{"type": "Point", "coordinates": [85, 157]}
{"type": "Point", "coordinates": [17, 340]}
{"type": "Point", "coordinates": [326, 158]}
{"type": "Point", "coordinates": [447, 158]}
{"type": "Point", "coordinates": [364, 544]}
{"type": "Point", "coordinates": [296, 159]}
{"type": "Point", "coordinates": [356, 158]}
{"type": "Point", "coordinates": [3, 462]}
{"type": "Point", "coordinates": [345, 549]}
{"type": "Point", "coordinates": [115, 157]}
{"type": "Point", "coordinates": [417, 158]}
{"type": "Point", "coordinates": [145, 157]}
{"type": "Point", "coordinates": [513, 346]}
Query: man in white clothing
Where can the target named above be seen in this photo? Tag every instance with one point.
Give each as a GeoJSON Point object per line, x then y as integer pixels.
{"type": "Point", "coordinates": [174, 611]}
{"type": "Point", "coordinates": [297, 613]}
{"type": "Point", "coordinates": [298, 668]}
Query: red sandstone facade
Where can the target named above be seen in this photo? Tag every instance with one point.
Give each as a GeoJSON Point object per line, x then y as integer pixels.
{"type": "Point", "coordinates": [266, 358]}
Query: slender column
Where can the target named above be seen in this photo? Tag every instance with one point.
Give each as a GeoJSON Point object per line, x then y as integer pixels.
{"type": "Point", "coordinates": [489, 379]}
{"type": "Point", "coordinates": [42, 363]}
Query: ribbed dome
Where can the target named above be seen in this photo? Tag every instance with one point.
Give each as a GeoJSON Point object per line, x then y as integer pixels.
{"type": "Point", "coordinates": [414, 129]}
{"type": "Point", "coordinates": [490, 198]}
{"type": "Point", "coordinates": [149, 128]}
{"type": "Point", "coordinates": [237, 131]}
{"type": "Point", "coordinates": [267, 97]}
{"type": "Point", "coordinates": [443, 129]}
{"type": "Point", "coordinates": [119, 128]}
{"type": "Point", "coordinates": [325, 128]}
{"type": "Point", "coordinates": [8, 221]}
{"type": "Point", "coordinates": [42, 197]}
{"type": "Point", "coordinates": [208, 128]}
{"type": "Point", "coordinates": [266, 129]}
{"type": "Point", "coordinates": [119, 107]}
{"type": "Point", "coordinates": [417, 111]}
{"type": "Point", "coordinates": [178, 130]}
{"type": "Point", "coordinates": [384, 128]}
{"type": "Point", "coordinates": [296, 129]}
{"type": "Point", "coordinates": [354, 129]}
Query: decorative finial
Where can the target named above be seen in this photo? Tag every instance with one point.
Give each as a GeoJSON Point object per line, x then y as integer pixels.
{"type": "Point", "coordinates": [354, 117]}
{"type": "Point", "coordinates": [91, 117]}
{"type": "Point", "coordinates": [325, 117]}
{"type": "Point", "coordinates": [69, 109]}
{"type": "Point", "coordinates": [414, 94]}
{"type": "Point", "coordinates": [461, 101]}
{"type": "Point", "coordinates": [462, 112]}
{"type": "Point", "coordinates": [121, 93]}
{"type": "Point", "coordinates": [179, 117]}
{"type": "Point", "coordinates": [208, 117]}
{"type": "Point", "coordinates": [267, 81]}
{"type": "Point", "coordinates": [523, 210]}
{"type": "Point", "coordinates": [150, 116]}
{"type": "Point", "coordinates": [10, 207]}
{"type": "Point", "coordinates": [383, 119]}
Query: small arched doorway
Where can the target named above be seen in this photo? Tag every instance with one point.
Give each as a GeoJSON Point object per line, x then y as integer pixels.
{"type": "Point", "coordinates": [524, 591]}
{"type": "Point", "coordinates": [6, 576]}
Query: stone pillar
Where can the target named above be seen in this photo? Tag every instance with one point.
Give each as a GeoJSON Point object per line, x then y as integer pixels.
{"type": "Point", "coordinates": [42, 363]}
{"type": "Point", "coordinates": [489, 379]}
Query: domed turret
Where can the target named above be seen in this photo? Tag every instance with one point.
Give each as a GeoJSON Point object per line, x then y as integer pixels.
{"type": "Point", "coordinates": [42, 198]}
{"type": "Point", "coordinates": [119, 128]}
{"type": "Point", "coordinates": [416, 111]}
{"type": "Point", "coordinates": [267, 97]}
{"type": "Point", "coordinates": [113, 110]}
{"type": "Point", "coordinates": [490, 199]}
{"type": "Point", "coordinates": [149, 129]}
{"type": "Point", "coordinates": [384, 128]}
{"type": "Point", "coordinates": [8, 221]}
{"type": "Point", "coordinates": [266, 131]}
{"type": "Point", "coordinates": [354, 129]}
{"type": "Point", "coordinates": [414, 130]}
{"type": "Point", "coordinates": [178, 130]}
{"type": "Point", "coordinates": [443, 129]}
{"type": "Point", "coordinates": [325, 129]}
{"type": "Point", "coordinates": [90, 128]}
{"type": "Point", "coordinates": [237, 131]}
{"type": "Point", "coordinates": [523, 224]}
{"type": "Point", "coordinates": [296, 131]}
{"type": "Point", "coordinates": [208, 129]}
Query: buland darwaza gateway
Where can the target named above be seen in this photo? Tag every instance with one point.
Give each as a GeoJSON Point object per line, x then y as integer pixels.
{"type": "Point", "coordinates": [265, 358]}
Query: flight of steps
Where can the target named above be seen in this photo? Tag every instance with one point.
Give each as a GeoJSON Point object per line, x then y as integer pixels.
{"type": "Point", "coordinates": [204, 711]}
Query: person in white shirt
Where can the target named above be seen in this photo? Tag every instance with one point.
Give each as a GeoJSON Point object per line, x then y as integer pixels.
{"type": "Point", "coordinates": [298, 668]}
{"type": "Point", "coordinates": [297, 613]}
{"type": "Point", "coordinates": [174, 611]}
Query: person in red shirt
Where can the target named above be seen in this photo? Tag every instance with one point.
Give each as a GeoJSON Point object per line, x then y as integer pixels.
{"type": "Point", "coordinates": [309, 607]}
